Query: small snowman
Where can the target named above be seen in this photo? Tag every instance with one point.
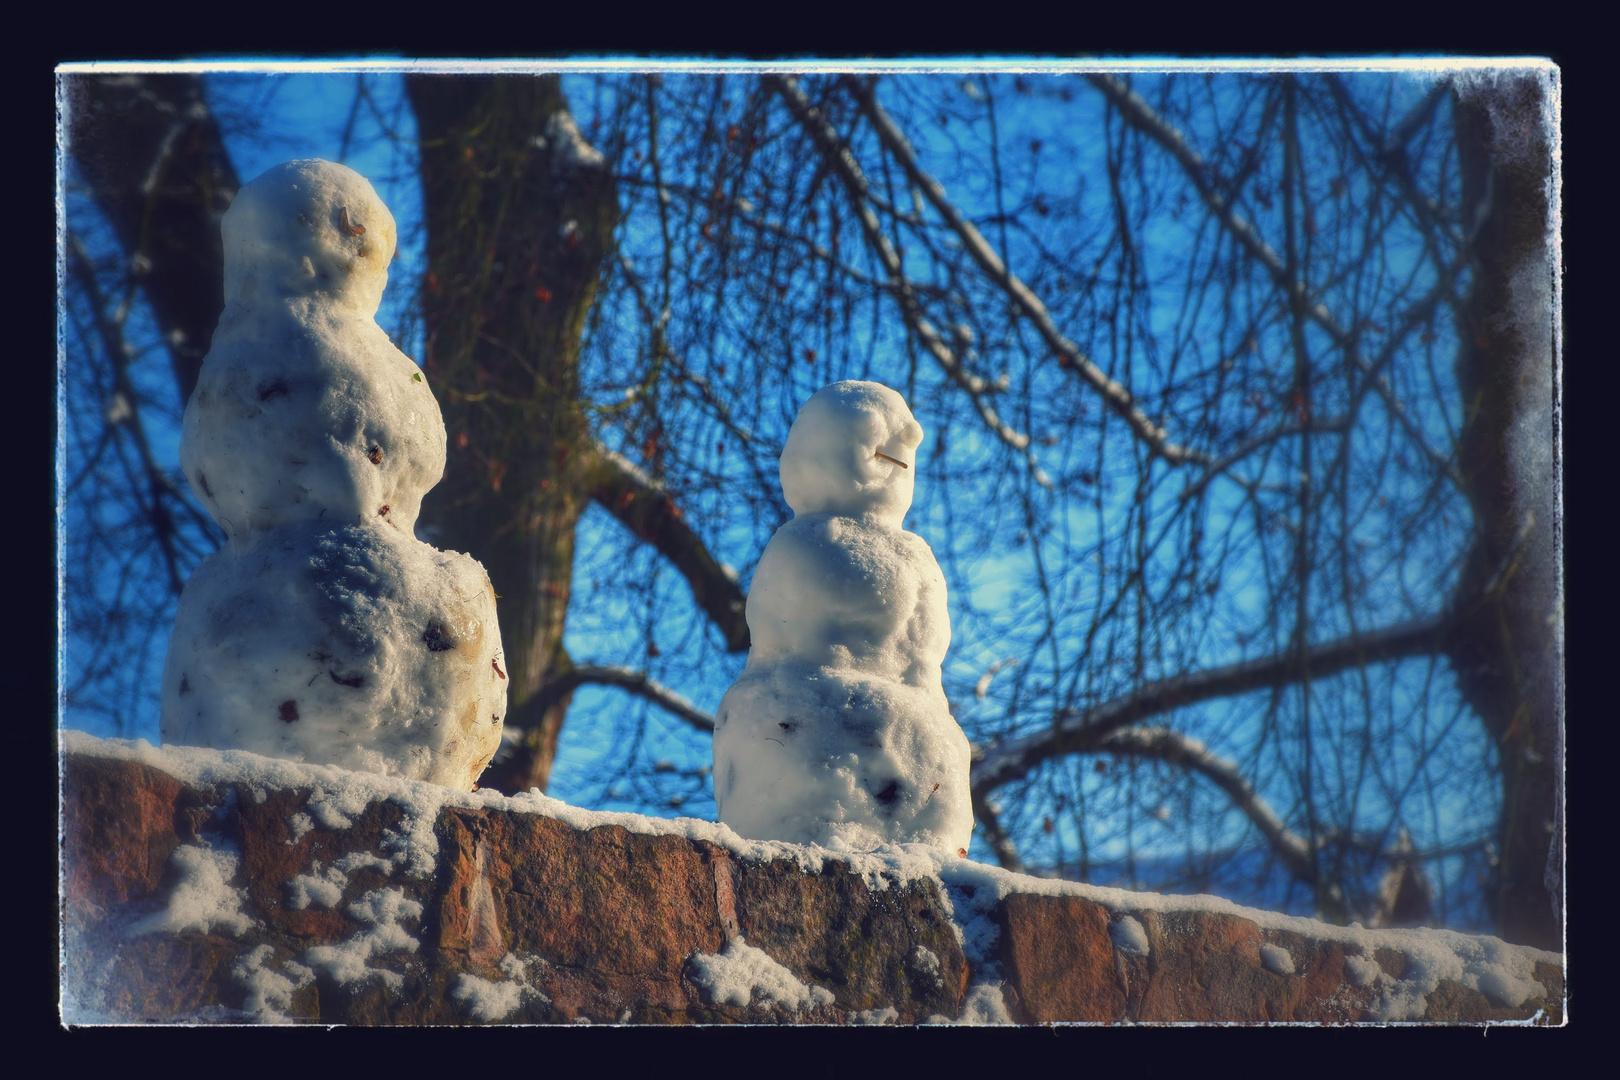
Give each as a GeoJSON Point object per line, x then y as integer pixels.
{"type": "Point", "coordinates": [838, 732]}
{"type": "Point", "coordinates": [325, 631]}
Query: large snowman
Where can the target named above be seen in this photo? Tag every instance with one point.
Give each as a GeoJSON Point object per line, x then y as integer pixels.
{"type": "Point", "coordinates": [838, 732]}
{"type": "Point", "coordinates": [325, 631]}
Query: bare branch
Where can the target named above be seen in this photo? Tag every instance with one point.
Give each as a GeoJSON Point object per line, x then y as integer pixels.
{"type": "Point", "coordinates": [1391, 149]}
{"type": "Point", "coordinates": [1115, 395]}
{"type": "Point", "coordinates": [157, 166]}
{"type": "Point", "coordinates": [112, 339]}
{"type": "Point", "coordinates": [646, 508]}
{"type": "Point", "coordinates": [635, 682]}
{"type": "Point", "coordinates": [1265, 438]}
{"type": "Point", "coordinates": [837, 154]}
{"type": "Point", "coordinates": [1079, 731]}
{"type": "Point", "coordinates": [1140, 115]}
{"type": "Point", "coordinates": [1162, 744]}
{"type": "Point", "coordinates": [1001, 844]}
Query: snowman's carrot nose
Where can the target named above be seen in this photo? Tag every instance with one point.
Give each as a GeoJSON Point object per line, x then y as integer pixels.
{"type": "Point", "coordinates": [897, 461]}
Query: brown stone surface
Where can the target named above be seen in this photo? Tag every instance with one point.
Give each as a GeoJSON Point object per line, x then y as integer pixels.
{"type": "Point", "coordinates": [1206, 966]}
{"type": "Point", "coordinates": [1061, 960]}
{"type": "Point", "coordinates": [119, 822]}
{"type": "Point", "coordinates": [603, 923]}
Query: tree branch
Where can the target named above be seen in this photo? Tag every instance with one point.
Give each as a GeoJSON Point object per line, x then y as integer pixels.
{"type": "Point", "coordinates": [1265, 438]}
{"type": "Point", "coordinates": [156, 165]}
{"type": "Point", "coordinates": [1001, 844]}
{"type": "Point", "coordinates": [1115, 395]}
{"type": "Point", "coordinates": [118, 352]}
{"type": "Point", "coordinates": [1141, 116]}
{"type": "Point", "coordinates": [1162, 744]}
{"type": "Point", "coordinates": [635, 682]}
{"type": "Point", "coordinates": [646, 508]}
{"type": "Point", "coordinates": [1084, 730]}
{"type": "Point", "coordinates": [836, 154]}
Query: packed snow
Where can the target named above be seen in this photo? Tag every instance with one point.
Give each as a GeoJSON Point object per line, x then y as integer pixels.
{"type": "Point", "coordinates": [324, 888]}
{"type": "Point", "coordinates": [838, 732]}
{"type": "Point", "coordinates": [875, 1017]}
{"type": "Point", "coordinates": [740, 973]}
{"type": "Point", "coordinates": [325, 631]}
{"type": "Point", "coordinates": [304, 409]}
{"type": "Point", "coordinates": [1277, 960]}
{"type": "Point", "coordinates": [971, 890]}
{"type": "Point", "coordinates": [298, 826]}
{"type": "Point", "coordinates": [1363, 970]}
{"type": "Point", "coordinates": [268, 993]}
{"type": "Point", "coordinates": [381, 910]}
{"type": "Point", "coordinates": [984, 1006]}
{"type": "Point", "coordinates": [493, 1000]}
{"type": "Point", "coordinates": [203, 899]}
{"type": "Point", "coordinates": [487, 1000]}
{"type": "Point", "coordinates": [357, 646]}
{"type": "Point", "coordinates": [1129, 936]}
{"type": "Point", "coordinates": [923, 963]}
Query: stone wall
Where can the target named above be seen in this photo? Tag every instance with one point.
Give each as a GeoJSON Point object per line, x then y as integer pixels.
{"type": "Point", "coordinates": [229, 902]}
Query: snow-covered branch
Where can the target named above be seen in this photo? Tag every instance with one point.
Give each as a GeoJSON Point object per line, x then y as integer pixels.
{"type": "Point", "coordinates": [1085, 730]}
{"type": "Point", "coordinates": [1113, 393]}
{"type": "Point", "coordinates": [646, 508]}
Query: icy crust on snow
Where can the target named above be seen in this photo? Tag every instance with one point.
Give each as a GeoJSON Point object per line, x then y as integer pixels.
{"type": "Point", "coordinates": [304, 409]}
{"type": "Point", "coordinates": [359, 647]}
{"type": "Point", "coordinates": [838, 732]}
{"type": "Point", "coordinates": [972, 891]}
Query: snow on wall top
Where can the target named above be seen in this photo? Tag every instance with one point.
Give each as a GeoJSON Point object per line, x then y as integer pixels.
{"type": "Point", "coordinates": [1505, 972]}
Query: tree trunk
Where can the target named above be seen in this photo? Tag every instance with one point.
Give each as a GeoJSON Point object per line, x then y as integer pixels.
{"type": "Point", "coordinates": [519, 215]}
{"type": "Point", "coordinates": [1508, 648]}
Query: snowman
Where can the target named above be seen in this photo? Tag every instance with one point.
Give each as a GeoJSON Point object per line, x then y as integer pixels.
{"type": "Point", "coordinates": [325, 631]}
{"type": "Point", "coordinates": [838, 732]}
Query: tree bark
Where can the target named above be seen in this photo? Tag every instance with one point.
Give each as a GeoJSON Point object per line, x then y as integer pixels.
{"type": "Point", "coordinates": [519, 215]}
{"type": "Point", "coordinates": [1507, 648]}
{"type": "Point", "coordinates": [156, 165]}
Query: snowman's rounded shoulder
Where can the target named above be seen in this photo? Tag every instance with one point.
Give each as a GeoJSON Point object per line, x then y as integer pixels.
{"type": "Point", "coordinates": [823, 545]}
{"type": "Point", "coordinates": [340, 358]}
{"type": "Point", "coordinates": [836, 530]}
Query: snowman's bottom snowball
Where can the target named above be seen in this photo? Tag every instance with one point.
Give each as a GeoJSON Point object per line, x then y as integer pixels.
{"type": "Point", "coordinates": [815, 755]}
{"type": "Point", "coordinates": [358, 647]}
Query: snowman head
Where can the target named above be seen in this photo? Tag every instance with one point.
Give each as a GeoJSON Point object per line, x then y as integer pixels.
{"type": "Point", "coordinates": [308, 228]}
{"type": "Point", "coordinates": [852, 451]}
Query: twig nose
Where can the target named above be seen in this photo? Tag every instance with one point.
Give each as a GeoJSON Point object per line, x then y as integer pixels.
{"type": "Point", "coordinates": [897, 461]}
